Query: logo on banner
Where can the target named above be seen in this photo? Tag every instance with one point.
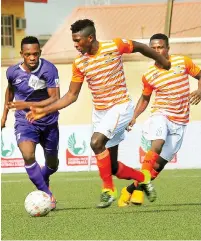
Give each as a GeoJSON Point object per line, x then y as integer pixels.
{"type": "Point", "coordinates": [145, 147]}
{"type": "Point", "coordinates": [72, 145]}
{"type": "Point", "coordinates": [75, 153]}
{"type": "Point", "coordinates": [6, 156]}
{"type": "Point", "coordinates": [7, 152]}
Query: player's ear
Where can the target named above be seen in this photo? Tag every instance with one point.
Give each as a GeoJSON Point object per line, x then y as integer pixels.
{"type": "Point", "coordinates": [40, 52]}
{"type": "Point", "coordinates": [21, 53]}
{"type": "Point", "coordinates": [91, 37]}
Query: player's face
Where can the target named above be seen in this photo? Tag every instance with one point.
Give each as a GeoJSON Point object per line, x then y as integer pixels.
{"type": "Point", "coordinates": [31, 54]}
{"type": "Point", "coordinates": [159, 46]}
{"type": "Point", "coordinates": [81, 43]}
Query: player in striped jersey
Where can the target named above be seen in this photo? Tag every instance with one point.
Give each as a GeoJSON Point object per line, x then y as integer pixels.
{"type": "Point", "coordinates": [100, 64]}
{"type": "Point", "coordinates": [164, 130]}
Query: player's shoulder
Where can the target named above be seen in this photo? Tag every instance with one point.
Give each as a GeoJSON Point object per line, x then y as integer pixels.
{"type": "Point", "coordinates": [13, 67]}
{"type": "Point", "coordinates": [118, 39]}
{"type": "Point", "coordinates": [177, 57]}
{"type": "Point", "coordinates": [80, 59]}
{"type": "Point", "coordinates": [11, 70]}
{"type": "Point", "coordinates": [47, 64]}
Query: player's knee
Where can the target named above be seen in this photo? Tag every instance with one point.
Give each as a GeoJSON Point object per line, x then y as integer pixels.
{"type": "Point", "coordinates": [157, 149]}
{"type": "Point", "coordinates": [54, 165]}
{"type": "Point", "coordinates": [29, 158]}
{"type": "Point", "coordinates": [96, 145]}
{"type": "Point", "coordinates": [157, 146]}
{"type": "Point", "coordinates": [52, 159]}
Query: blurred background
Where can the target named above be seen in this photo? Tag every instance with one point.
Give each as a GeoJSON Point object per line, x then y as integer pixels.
{"type": "Point", "coordinates": [50, 21]}
{"type": "Point", "coordinates": [176, 213]}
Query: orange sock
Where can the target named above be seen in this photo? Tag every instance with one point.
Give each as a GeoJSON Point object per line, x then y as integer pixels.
{"type": "Point", "coordinates": [104, 166]}
{"type": "Point", "coordinates": [154, 174]}
{"type": "Point", "coordinates": [149, 159]}
{"type": "Point", "coordinates": [125, 172]}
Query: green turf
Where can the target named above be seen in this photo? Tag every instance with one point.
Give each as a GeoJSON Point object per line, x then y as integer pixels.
{"type": "Point", "coordinates": [176, 214]}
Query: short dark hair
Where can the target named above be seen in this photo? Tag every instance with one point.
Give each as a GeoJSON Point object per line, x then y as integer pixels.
{"type": "Point", "coordinates": [83, 24]}
{"type": "Point", "coordinates": [160, 36]}
{"type": "Point", "coordinates": [29, 40]}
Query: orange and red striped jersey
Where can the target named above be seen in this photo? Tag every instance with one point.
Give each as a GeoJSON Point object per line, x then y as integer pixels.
{"type": "Point", "coordinates": [172, 88]}
{"type": "Point", "coordinates": [104, 73]}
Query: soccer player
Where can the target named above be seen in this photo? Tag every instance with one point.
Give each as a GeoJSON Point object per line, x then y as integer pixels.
{"type": "Point", "coordinates": [166, 126]}
{"type": "Point", "coordinates": [100, 64]}
{"type": "Point", "coordinates": [34, 82]}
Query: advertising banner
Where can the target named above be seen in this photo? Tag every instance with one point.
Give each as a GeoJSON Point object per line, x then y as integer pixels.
{"type": "Point", "coordinates": [75, 153]}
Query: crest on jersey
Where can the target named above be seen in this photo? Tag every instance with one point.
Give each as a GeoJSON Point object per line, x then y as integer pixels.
{"type": "Point", "coordinates": [178, 70]}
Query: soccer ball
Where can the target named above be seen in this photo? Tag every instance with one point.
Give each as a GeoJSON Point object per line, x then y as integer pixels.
{"type": "Point", "coordinates": [37, 203]}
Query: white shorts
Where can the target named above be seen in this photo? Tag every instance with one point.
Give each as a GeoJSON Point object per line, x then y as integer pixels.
{"type": "Point", "coordinates": [113, 122]}
{"type": "Point", "coordinates": [159, 127]}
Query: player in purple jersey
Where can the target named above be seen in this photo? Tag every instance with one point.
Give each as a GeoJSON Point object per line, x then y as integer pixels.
{"type": "Point", "coordinates": [34, 82]}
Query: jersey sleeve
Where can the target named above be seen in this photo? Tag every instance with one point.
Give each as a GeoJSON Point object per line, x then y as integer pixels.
{"type": "Point", "coordinates": [77, 75]}
{"type": "Point", "coordinates": [124, 45]}
{"type": "Point", "coordinates": [147, 88]}
{"type": "Point", "coordinates": [192, 69]}
{"type": "Point", "coordinates": [9, 76]}
{"type": "Point", "coordinates": [52, 77]}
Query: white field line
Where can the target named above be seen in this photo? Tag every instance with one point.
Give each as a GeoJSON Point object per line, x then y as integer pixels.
{"type": "Point", "coordinates": [75, 179]}
{"type": "Point", "coordinates": [71, 179]}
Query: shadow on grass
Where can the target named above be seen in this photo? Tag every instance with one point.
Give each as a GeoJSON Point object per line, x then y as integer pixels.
{"type": "Point", "coordinates": [114, 211]}
{"type": "Point", "coordinates": [131, 208]}
{"type": "Point", "coordinates": [73, 208]}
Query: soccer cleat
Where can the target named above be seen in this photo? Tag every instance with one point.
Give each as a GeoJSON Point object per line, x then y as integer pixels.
{"type": "Point", "coordinates": [137, 197]}
{"type": "Point", "coordinates": [124, 198]}
{"type": "Point", "coordinates": [53, 203]}
{"type": "Point", "coordinates": [107, 198]}
{"type": "Point", "coordinates": [147, 186]}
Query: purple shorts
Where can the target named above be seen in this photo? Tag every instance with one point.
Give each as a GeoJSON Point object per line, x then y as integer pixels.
{"type": "Point", "coordinates": [47, 136]}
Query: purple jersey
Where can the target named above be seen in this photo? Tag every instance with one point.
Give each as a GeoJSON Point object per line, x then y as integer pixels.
{"type": "Point", "coordinates": [33, 87]}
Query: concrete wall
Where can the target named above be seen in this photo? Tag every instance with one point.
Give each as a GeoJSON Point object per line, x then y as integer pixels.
{"type": "Point", "coordinates": [80, 112]}
{"type": "Point", "coordinates": [15, 8]}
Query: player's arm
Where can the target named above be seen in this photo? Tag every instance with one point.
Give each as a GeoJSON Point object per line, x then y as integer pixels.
{"type": "Point", "coordinates": [195, 96]}
{"type": "Point", "coordinates": [129, 46]}
{"type": "Point", "coordinates": [9, 96]}
{"type": "Point", "coordinates": [143, 101]}
{"type": "Point", "coordinates": [54, 95]}
{"type": "Point", "coordinates": [195, 71]}
{"type": "Point", "coordinates": [141, 105]}
{"type": "Point", "coordinates": [69, 98]}
{"type": "Point", "coordinates": [150, 53]}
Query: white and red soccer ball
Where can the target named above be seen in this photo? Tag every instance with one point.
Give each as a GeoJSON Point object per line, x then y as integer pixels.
{"type": "Point", "coordinates": [37, 204]}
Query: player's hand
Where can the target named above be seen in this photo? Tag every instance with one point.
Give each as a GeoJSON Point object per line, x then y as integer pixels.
{"type": "Point", "coordinates": [35, 114]}
{"type": "Point", "coordinates": [195, 97]}
{"type": "Point", "coordinates": [17, 105]}
{"type": "Point", "coordinates": [131, 124]}
{"type": "Point", "coordinates": [3, 123]}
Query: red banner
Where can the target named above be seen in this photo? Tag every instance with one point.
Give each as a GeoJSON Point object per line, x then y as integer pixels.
{"type": "Point", "coordinates": [37, 1]}
{"type": "Point", "coordinates": [12, 162]}
{"type": "Point", "coordinates": [74, 160]}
